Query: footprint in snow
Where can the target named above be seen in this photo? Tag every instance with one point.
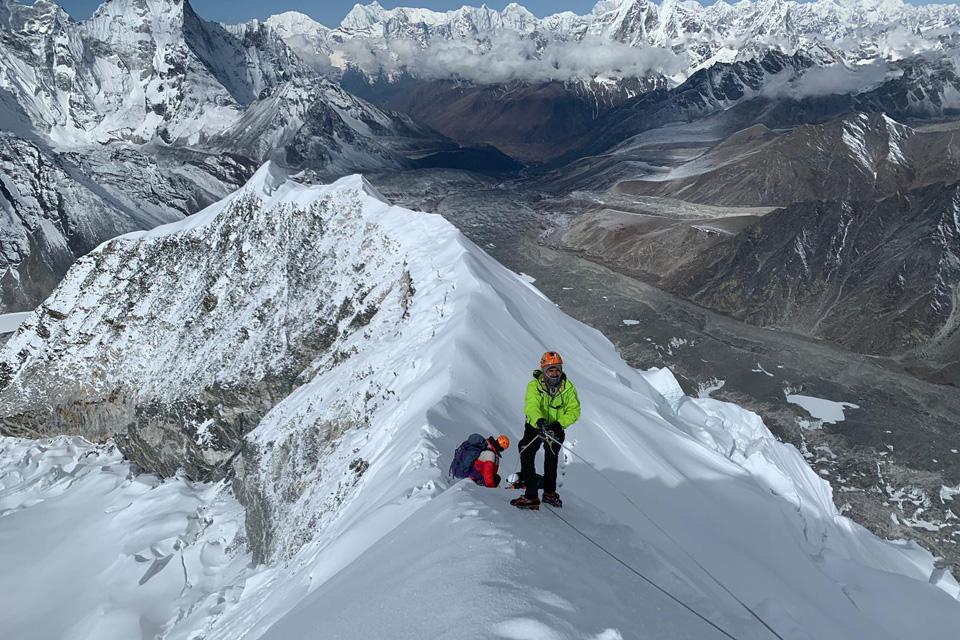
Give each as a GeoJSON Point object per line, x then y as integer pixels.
{"type": "Point", "coordinates": [552, 600]}
{"type": "Point", "coordinates": [117, 508]}
{"type": "Point", "coordinates": [525, 629]}
{"type": "Point", "coordinates": [609, 634]}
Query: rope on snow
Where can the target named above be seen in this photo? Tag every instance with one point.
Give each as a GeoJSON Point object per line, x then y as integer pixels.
{"type": "Point", "coordinates": [548, 438]}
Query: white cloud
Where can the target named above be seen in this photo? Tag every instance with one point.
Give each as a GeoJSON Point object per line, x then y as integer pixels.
{"type": "Point", "coordinates": [508, 57]}
{"type": "Point", "coordinates": [834, 79]}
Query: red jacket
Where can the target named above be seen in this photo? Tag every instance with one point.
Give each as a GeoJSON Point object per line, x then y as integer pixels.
{"type": "Point", "coordinates": [487, 465]}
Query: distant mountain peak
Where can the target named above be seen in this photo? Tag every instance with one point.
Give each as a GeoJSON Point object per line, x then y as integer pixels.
{"type": "Point", "coordinates": [363, 16]}
{"type": "Point", "coordinates": [294, 23]}
{"type": "Point", "coordinates": [857, 31]}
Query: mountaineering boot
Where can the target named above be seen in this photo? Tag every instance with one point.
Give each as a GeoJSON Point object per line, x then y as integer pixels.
{"type": "Point", "coordinates": [523, 502]}
{"type": "Point", "coordinates": [552, 499]}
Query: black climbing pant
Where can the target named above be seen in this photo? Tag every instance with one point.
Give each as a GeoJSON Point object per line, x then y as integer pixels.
{"type": "Point", "coordinates": [529, 445]}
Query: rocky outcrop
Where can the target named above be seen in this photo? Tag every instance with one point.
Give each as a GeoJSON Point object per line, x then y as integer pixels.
{"type": "Point", "coordinates": [184, 338]}
{"type": "Point", "coordinates": [59, 206]}
{"type": "Point", "coordinates": [878, 277]}
{"type": "Point", "coordinates": [856, 157]}
{"type": "Point", "coordinates": [177, 343]}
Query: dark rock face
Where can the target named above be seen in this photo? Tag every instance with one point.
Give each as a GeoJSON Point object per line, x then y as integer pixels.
{"type": "Point", "coordinates": [856, 157]}
{"type": "Point", "coordinates": [62, 205]}
{"type": "Point", "coordinates": [878, 277]}
{"type": "Point", "coordinates": [706, 92]}
{"type": "Point", "coordinates": [328, 145]}
{"type": "Point", "coordinates": [741, 94]}
{"type": "Point", "coordinates": [921, 90]}
{"type": "Point", "coordinates": [532, 122]}
{"type": "Point", "coordinates": [43, 205]}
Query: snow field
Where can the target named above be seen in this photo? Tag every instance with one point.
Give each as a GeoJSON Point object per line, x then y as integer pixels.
{"type": "Point", "coordinates": [475, 328]}
{"type": "Point", "coordinates": [91, 550]}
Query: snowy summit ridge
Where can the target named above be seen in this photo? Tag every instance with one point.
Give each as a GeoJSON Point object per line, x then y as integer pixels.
{"type": "Point", "coordinates": [348, 346]}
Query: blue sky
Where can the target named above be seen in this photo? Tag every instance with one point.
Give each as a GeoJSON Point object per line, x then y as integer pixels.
{"type": "Point", "coordinates": [330, 12]}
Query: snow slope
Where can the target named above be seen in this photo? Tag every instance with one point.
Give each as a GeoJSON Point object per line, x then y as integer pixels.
{"type": "Point", "coordinates": [139, 550]}
{"type": "Point", "coordinates": [362, 535]}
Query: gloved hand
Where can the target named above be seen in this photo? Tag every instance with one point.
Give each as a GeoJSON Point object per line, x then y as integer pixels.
{"type": "Point", "coordinates": [555, 430]}
{"type": "Point", "coordinates": [541, 423]}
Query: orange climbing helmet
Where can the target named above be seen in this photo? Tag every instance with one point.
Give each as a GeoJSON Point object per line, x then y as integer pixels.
{"type": "Point", "coordinates": [504, 442]}
{"type": "Point", "coordinates": [551, 359]}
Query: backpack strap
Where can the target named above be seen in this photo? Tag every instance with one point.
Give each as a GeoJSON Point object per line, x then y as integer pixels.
{"type": "Point", "coordinates": [493, 447]}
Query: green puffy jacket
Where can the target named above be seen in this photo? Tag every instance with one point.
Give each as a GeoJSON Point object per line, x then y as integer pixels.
{"type": "Point", "coordinates": [563, 407]}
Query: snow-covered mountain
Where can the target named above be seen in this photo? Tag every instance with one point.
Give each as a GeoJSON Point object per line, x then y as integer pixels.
{"type": "Point", "coordinates": [859, 31]}
{"type": "Point", "coordinates": [149, 113]}
{"type": "Point", "coordinates": [151, 80]}
{"type": "Point", "coordinates": [143, 71]}
{"type": "Point", "coordinates": [328, 351]}
{"type": "Point", "coordinates": [578, 85]}
{"type": "Point", "coordinates": [775, 90]}
{"type": "Point", "coordinates": [136, 71]}
{"type": "Point", "coordinates": [58, 206]}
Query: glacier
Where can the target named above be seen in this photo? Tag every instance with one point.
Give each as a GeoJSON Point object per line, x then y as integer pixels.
{"type": "Point", "coordinates": [332, 516]}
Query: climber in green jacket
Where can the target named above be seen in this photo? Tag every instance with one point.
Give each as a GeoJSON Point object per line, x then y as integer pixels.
{"type": "Point", "coordinates": [551, 406]}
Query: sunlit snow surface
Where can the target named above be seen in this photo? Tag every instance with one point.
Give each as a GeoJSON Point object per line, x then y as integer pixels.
{"type": "Point", "coordinates": [91, 552]}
